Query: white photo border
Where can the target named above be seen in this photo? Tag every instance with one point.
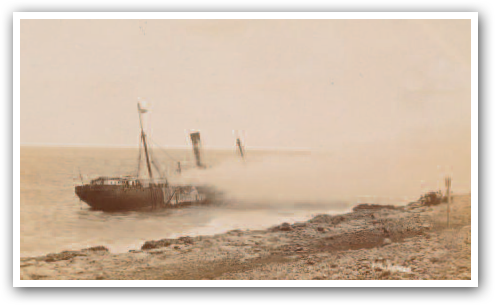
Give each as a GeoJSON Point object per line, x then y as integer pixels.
{"type": "Point", "coordinates": [18, 16]}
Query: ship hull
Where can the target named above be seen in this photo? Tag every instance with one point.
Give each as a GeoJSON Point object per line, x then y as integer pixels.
{"type": "Point", "coordinates": [120, 198]}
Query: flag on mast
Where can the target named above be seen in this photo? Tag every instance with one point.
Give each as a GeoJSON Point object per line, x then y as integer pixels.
{"type": "Point", "coordinates": [141, 110]}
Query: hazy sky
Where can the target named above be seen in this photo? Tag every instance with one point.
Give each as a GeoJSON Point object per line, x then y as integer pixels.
{"type": "Point", "coordinates": [288, 83]}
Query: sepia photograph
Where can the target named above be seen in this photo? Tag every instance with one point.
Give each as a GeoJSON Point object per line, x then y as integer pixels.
{"type": "Point", "coordinates": [219, 149]}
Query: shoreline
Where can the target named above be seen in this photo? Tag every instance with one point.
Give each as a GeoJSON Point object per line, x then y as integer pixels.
{"type": "Point", "coordinates": [205, 230]}
{"type": "Point", "coordinates": [371, 242]}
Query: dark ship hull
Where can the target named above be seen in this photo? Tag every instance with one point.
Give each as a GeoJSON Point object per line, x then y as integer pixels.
{"type": "Point", "coordinates": [113, 198]}
{"type": "Point", "coordinates": [133, 193]}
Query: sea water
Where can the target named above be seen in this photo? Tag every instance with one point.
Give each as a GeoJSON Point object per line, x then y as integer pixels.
{"type": "Point", "coordinates": [265, 189]}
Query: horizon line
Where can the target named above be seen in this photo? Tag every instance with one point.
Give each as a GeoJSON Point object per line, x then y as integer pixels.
{"type": "Point", "coordinates": [269, 148]}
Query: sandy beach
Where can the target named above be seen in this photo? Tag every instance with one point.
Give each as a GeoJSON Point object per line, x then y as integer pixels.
{"type": "Point", "coordinates": [373, 242]}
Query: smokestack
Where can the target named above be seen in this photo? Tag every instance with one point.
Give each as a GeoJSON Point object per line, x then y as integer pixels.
{"type": "Point", "coordinates": [196, 141]}
{"type": "Point", "coordinates": [239, 145]}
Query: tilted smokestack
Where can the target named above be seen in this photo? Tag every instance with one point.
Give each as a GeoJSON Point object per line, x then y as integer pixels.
{"type": "Point", "coordinates": [239, 145]}
{"type": "Point", "coordinates": [196, 141]}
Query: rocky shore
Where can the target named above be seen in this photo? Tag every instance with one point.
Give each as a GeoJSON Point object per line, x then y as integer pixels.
{"type": "Point", "coordinates": [373, 242]}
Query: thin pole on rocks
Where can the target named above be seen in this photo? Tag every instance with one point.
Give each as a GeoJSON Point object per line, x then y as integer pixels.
{"type": "Point", "coordinates": [448, 183]}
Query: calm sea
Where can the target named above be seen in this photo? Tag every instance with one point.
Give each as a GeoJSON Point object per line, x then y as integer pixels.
{"type": "Point", "coordinates": [267, 189]}
{"type": "Point", "coordinates": [53, 219]}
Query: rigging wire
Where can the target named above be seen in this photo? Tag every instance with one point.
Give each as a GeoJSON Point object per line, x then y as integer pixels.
{"type": "Point", "coordinates": [168, 155]}
{"type": "Point", "coordinates": [139, 160]}
{"type": "Point", "coordinates": [155, 164]}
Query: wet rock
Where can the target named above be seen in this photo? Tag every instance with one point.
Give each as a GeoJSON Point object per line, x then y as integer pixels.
{"type": "Point", "coordinates": [156, 252]}
{"type": "Point", "coordinates": [414, 205]}
{"type": "Point", "coordinates": [299, 225]}
{"type": "Point", "coordinates": [186, 240]}
{"type": "Point", "coordinates": [97, 248]}
{"type": "Point", "coordinates": [236, 232]}
{"type": "Point", "coordinates": [325, 218]}
{"type": "Point", "coordinates": [65, 255]}
{"type": "Point", "coordinates": [367, 206]}
{"type": "Point", "coordinates": [284, 227]}
{"type": "Point", "coordinates": [153, 244]}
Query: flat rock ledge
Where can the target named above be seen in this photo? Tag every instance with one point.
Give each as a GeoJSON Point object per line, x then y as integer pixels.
{"type": "Point", "coordinates": [372, 242]}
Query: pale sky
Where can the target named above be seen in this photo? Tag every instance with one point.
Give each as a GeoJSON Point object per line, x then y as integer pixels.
{"type": "Point", "coordinates": [318, 84]}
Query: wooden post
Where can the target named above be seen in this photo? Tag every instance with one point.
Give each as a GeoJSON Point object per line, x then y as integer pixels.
{"type": "Point", "coordinates": [448, 183]}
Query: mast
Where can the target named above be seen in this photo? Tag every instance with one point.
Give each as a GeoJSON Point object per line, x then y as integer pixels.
{"type": "Point", "coordinates": [239, 145]}
{"type": "Point", "coordinates": [143, 137]}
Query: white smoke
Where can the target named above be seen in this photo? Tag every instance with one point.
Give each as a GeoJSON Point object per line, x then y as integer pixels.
{"type": "Point", "coordinates": [356, 175]}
